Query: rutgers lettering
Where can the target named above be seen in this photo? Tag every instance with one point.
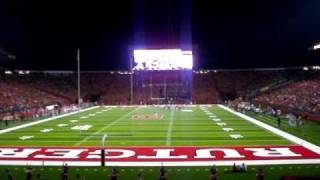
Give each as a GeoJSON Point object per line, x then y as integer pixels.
{"type": "Point", "coordinates": [60, 154]}
{"type": "Point", "coordinates": [122, 153]}
{"type": "Point", "coordinates": [16, 152]}
{"type": "Point", "coordinates": [273, 152]}
{"type": "Point", "coordinates": [208, 153]}
{"type": "Point", "coordinates": [163, 154]}
{"type": "Point", "coordinates": [156, 156]}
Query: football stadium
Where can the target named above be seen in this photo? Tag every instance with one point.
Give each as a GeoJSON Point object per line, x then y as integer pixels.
{"type": "Point", "coordinates": [163, 90]}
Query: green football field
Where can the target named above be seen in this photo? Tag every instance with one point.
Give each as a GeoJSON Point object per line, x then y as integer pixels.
{"type": "Point", "coordinates": [188, 126]}
{"type": "Point", "coordinates": [132, 126]}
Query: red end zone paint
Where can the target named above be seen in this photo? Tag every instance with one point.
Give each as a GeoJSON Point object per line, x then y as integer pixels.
{"type": "Point", "coordinates": [155, 156]}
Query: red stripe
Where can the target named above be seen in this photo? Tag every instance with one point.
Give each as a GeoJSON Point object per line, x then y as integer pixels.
{"type": "Point", "coordinates": [190, 152]}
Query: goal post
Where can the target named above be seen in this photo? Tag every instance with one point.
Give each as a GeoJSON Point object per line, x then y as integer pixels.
{"type": "Point", "coordinates": [161, 76]}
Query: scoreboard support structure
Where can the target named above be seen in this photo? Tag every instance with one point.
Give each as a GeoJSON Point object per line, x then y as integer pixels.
{"type": "Point", "coordinates": [164, 74]}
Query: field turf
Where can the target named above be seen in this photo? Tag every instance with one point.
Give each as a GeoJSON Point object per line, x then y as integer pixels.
{"type": "Point", "coordinates": [173, 173]}
{"type": "Point", "coordinates": [188, 126]}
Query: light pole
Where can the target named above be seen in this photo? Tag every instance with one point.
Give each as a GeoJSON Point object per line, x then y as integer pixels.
{"type": "Point", "coordinates": [78, 80]}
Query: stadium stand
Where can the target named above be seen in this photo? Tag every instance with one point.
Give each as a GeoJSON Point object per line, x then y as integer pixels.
{"type": "Point", "coordinates": [20, 93]}
{"type": "Point", "coordinates": [20, 99]}
{"type": "Point", "coordinates": [302, 95]}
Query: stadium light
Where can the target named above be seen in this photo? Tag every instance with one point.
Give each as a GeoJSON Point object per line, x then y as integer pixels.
{"type": "Point", "coordinates": [7, 72]}
{"type": "Point", "coordinates": [316, 47]}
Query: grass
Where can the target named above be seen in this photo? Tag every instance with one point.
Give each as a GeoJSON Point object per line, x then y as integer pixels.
{"type": "Point", "coordinates": [309, 132]}
{"type": "Point", "coordinates": [176, 128]}
{"type": "Point", "coordinates": [224, 173]}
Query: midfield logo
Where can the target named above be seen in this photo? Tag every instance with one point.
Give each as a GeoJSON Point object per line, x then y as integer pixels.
{"type": "Point", "coordinates": [144, 156]}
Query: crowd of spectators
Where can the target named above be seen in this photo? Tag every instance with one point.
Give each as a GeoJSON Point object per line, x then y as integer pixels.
{"type": "Point", "coordinates": [20, 100]}
{"type": "Point", "coordinates": [302, 95]}
{"type": "Point", "coordinates": [114, 89]}
{"type": "Point", "coordinates": [232, 84]}
{"type": "Point", "coordinates": [204, 89]}
{"type": "Point", "coordinates": [22, 95]}
{"type": "Point", "coordinates": [217, 86]}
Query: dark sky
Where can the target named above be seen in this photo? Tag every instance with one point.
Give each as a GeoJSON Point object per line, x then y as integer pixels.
{"type": "Point", "coordinates": [44, 34]}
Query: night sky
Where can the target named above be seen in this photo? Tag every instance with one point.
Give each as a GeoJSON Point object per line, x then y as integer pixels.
{"type": "Point", "coordinates": [44, 35]}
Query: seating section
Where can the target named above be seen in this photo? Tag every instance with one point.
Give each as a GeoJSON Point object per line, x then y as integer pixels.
{"type": "Point", "coordinates": [20, 98]}
{"type": "Point", "coordinates": [302, 95]}
{"type": "Point", "coordinates": [20, 93]}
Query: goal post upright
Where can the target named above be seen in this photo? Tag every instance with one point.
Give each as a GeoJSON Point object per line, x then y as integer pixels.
{"type": "Point", "coordinates": [103, 151]}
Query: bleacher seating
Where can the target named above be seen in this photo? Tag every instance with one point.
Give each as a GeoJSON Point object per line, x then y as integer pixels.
{"type": "Point", "coordinates": [35, 90]}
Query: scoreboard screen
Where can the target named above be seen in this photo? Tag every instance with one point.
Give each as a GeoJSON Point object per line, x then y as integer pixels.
{"type": "Point", "coordinates": [162, 59]}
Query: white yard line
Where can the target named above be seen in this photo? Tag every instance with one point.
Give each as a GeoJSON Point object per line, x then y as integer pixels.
{"type": "Point", "coordinates": [169, 133]}
{"type": "Point", "coordinates": [159, 163]}
{"type": "Point", "coordinates": [104, 128]}
{"type": "Point", "coordinates": [279, 132]}
{"type": "Point", "coordinates": [44, 120]}
{"type": "Point", "coordinates": [275, 140]}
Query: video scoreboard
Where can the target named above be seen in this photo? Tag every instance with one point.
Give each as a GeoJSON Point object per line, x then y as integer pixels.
{"type": "Point", "coordinates": [162, 59]}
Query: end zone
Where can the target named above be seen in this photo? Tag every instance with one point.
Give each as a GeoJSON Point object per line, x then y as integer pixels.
{"type": "Point", "coordinates": [157, 156]}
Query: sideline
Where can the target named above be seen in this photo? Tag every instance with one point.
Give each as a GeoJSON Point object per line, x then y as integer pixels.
{"type": "Point", "coordinates": [45, 120]}
{"type": "Point", "coordinates": [279, 132]}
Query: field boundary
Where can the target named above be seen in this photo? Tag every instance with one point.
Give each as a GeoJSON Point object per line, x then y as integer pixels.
{"type": "Point", "coordinates": [45, 120]}
{"type": "Point", "coordinates": [159, 163]}
{"type": "Point", "coordinates": [274, 130]}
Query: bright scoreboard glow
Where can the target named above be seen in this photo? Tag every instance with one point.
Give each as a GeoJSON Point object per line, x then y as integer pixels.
{"type": "Point", "coordinates": [162, 59]}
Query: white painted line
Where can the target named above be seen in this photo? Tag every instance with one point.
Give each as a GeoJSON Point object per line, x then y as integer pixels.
{"type": "Point", "coordinates": [216, 120]}
{"type": "Point", "coordinates": [228, 129]}
{"type": "Point", "coordinates": [73, 121]}
{"type": "Point", "coordinates": [62, 125]}
{"type": "Point", "coordinates": [104, 128]}
{"type": "Point", "coordinates": [160, 163]}
{"type": "Point", "coordinates": [104, 110]}
{"type": "Point", "coordinates": [44, 120]}
{"type": "Point", "coordinates": [169, 133]}
{"type": "Point", "coordinates": [46, 130]}
{"type": "Point", "coordinates": [187, 110]}
{"type": "Point", "coordinates": [236, 136]}
{"type": "Point", "coordinates": [82, 127]}
{"type": "Point", "coordinates": [279, 132]}
{"type": "Point", "coordinates": [212, 116]}
{"type": "Point", "coordinates": [98, 141]}
{"type": "Point", "coordinates": [26, 137]}
{"type": "Point", "coordinates": [221, 124]}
